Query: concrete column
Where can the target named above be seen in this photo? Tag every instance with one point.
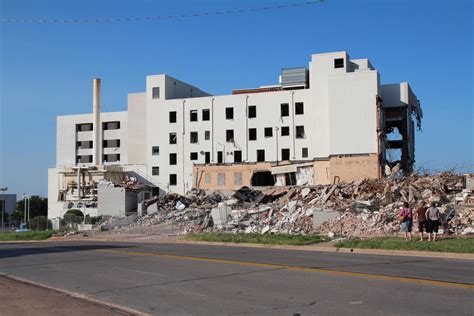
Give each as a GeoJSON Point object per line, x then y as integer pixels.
{"type": "Point", "coordinates": [96, 121]}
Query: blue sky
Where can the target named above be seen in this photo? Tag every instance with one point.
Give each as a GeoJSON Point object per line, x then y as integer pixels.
{"type": "Point", "coordinates": [47, 69]}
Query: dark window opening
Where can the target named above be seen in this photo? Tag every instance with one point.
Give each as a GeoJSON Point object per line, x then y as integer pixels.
{"type": "Point", "coordinates": [155, 150]}
{"type": "Point", "coordinates": [111, 143]}
{"type": "Point", "coordinates": [86, 144]}
{"type": "Point", "coordinates": [229, 135]}
{"type": "Point", "coordinates": [173, 117]}
{"type": "Point", "coordinates": [206, 115]}
{"type": "Point", "coordinates": [229, 113]}
{"type": "Point", "coordinates": [238, 156]}
{"type": "Point", "coordinates": [285, 154]}
{"type": "Point", "coordinates": [219, 157]}
{"type": "Point", "coordinates": [290, 178]}
{"type": "Point", "coordinates": [207, 135]}
{"type": "Point", "coordinates": [193, 115]}
{"type": "Point", "coordinates": [262, 178]}
{"type": "Point", "coordinates": [155, 171]}
{"type": "Point", "coordinates": [285, 131]}
{"type": "Point", "coordinates": [299, 108]}
{"type": "Point", "coordinates": [260, 155]}
{"type": "Point", "coordinates": [173, 179]}
{"type": "Point", "coordinates": [86, 127]}
{"type": "Point", "coordinates": [268, 132]}
{"type": "Point", "coordinates": [193, 156]}
{"type": "Point", "coordinates": [111, 158]}
{"type": "Point", "coordinates": [339, 63]}
{"type": "Point", "coordinates": [84, 159]}
{"type": "Point", "coordinates": [304, 152]}
{"type": "Point", "coordinates": [252, 111]}
{"type": "Point", "coordinates": [193, 137]}
{"type": "Point", "coordinates": [173, 138]}
{"type": "Point", "coordinates": [300, 132]}
{"type": "Point", "coordinates": [155, 92]}
{"type": "Point", "coordinates": [173, 159]}
{"type": "Point", "coordinates": [207, 157]}
{"type": "Point", "coordinates": [252, 134]}
{"type": "Point", "coordinates": [110, 125]}
{"type": "Point", "coordinates": [284, 109]}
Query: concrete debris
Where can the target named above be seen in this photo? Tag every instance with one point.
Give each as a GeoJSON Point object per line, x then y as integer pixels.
{"type": "Point", "coordinates": [360, 208]}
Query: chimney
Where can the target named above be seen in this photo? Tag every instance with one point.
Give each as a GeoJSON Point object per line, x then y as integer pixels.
{"type": "Point", "coordinates": [96, 159]}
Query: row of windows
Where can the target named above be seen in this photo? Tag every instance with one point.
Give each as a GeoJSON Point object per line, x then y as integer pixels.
{"type": "Point", "coordinates": [87, 127]}
{"type": "Point", "coordinates": [229, 112]}
{"type": "Point", "coordinates": [105, 158]}
{"type": "Point", "coordinates": [88, 144]}
{"type": "Point", "coordinates": [229, 135]}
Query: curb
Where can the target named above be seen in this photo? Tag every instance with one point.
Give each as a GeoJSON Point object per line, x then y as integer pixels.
{"type": "Point", "coordinates": [111, 306]}
{"type": "Point", "coordinates": [446, 255]}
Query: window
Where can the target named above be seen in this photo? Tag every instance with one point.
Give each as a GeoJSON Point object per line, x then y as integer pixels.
{"type": "Point", "coordinates": [207, 135]}
{"type": "Point", "coordinates": [84, 159]}
{"type": "Point", "coordinates": [268, 132]}
{"type": "Point", "coordinates": [207, 156]}
{"type": "Point", "coordinates": [155, 150]}
{"type": "Point", "coordinates": [284, 109]}
{"type": "Point", "coordinates": [193, 156]}
{"type": "Point", "coordinates": [252, 111]}
{"type": "Point", "coordinates": [87, 144]}
{"type": "Point", "coordinates": [111, 158]}
{"type": "Point", "coordinates": [111, 143]}
{"type": "Point", "coordinates": [173, 159]}
{"type": "Point", "coordinates": [339, 63]}
{"type": "Point", "coordinates": [110, 125]}
{"type": "Point", "coordinates": [155, 171]}
{"type": "Point", "coordinates": [229, 113]}
{"type": "Point", "coordinates": [285, 131]}
{"type": "Point", "coordinates": [299, 108]}
{"type": "Point", "coordinates": [229, 135]}
{"type": "Point", "coordinates": [193, 137]}
{"type": "Point", "coordinates": [305, 152]}
{"type": "Point", "coordinates": [193, 115]}
{"type": "Point", "coordinates": [219, 157]}
{"type": "Point", "coordinates": [173, 179]}
{"type": "Point", "coordinates": [221, 178]}
{"type": "Point", "coordinates": [206, 114]}
{"type": "Point", "coordinates": [300, 132]}
{"type": "Point", "coordinates": [155, 92]}
{"type": "Point", "coordinates": [84, 127]}
{"type": "Point", "coordinates": [172, 138]}
{"type": "Point", "coordinates": [173, 117]}
{"type": "Point", "coordinates": [237, 156]}
{"type": "Point", "coordinates": [252, 134]}
{"type": "Point", "coordinates": [207, 177]}
{"type": "Point", "coordinates": [285, 154]}
{"type": "Point", "coordinates": [237, 178]}
{"type": "Point", "coordinates": [260, 155]}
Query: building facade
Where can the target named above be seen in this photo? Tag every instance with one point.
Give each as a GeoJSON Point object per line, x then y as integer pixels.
{"type": "Point", "coordinates": [334, 116]}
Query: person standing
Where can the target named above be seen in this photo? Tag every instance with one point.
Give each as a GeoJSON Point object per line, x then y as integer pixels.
{"type": "Point", "coordinates": [432, 214]}
{"type": "Point", "coordinates": [422, 220]}
{"type": "Point", "coordinates": [406, 219]}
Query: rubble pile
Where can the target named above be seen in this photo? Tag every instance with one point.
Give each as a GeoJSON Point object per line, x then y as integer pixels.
{"type": "Point", "coordinates": [361, 208]}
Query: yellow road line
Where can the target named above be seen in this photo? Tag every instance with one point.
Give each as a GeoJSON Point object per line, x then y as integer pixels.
{"type": "Point", "coordinates": [295, 268]}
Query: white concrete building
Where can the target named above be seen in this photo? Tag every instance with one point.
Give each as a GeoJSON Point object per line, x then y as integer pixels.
{"type": "Point", "coordinates": [335, 116]}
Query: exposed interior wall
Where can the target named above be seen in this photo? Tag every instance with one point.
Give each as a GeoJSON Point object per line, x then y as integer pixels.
{"type": "Point", "coordinates": [226, 177]}
{"type": "Point", "coordinates": [347, 168]}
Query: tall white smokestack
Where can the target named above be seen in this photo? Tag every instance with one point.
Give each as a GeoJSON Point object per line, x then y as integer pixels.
{"type": "Point", "coordinates": [96, 133]}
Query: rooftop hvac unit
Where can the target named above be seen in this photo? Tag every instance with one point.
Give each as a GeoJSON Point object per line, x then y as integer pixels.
{"type": "Point", "coordinates": [294, 77]}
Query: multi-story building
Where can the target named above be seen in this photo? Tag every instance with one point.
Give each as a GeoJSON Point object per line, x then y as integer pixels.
{"type": "Point", "coordinates": [333, 121]}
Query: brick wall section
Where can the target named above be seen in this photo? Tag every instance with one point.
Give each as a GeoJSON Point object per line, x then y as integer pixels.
{"type": "Point", "coordinates": [348, 168]}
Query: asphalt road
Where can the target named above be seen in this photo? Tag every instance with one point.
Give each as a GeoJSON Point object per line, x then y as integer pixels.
{"type": "Point", "coordinates": [183, 279]}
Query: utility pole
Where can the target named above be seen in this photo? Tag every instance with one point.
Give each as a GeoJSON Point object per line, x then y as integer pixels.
{"type": "Point", "coordinates": [3, 204]}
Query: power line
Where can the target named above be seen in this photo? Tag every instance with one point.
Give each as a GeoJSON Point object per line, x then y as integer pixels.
{"type": "Point", "coordinates": [162, 17]}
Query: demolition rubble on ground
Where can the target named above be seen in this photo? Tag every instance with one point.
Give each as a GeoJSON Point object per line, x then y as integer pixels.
{"type": "Point", "coordinates": [360, 208]}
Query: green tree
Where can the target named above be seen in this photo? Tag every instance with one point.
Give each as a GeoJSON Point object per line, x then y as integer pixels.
{"type": "Point", "coordinates": [38, 207]}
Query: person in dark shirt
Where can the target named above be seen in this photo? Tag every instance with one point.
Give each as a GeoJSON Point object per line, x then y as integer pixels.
{"type": "Point", "coordinates": [422, 220]}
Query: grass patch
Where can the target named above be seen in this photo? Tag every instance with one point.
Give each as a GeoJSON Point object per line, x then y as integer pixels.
{"type": "Point", "coordinates": [33, 235]}
{"type": "Point", "coordinates": [275, 239]}
{"type": "Point", "coordinates": [458, 245]}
